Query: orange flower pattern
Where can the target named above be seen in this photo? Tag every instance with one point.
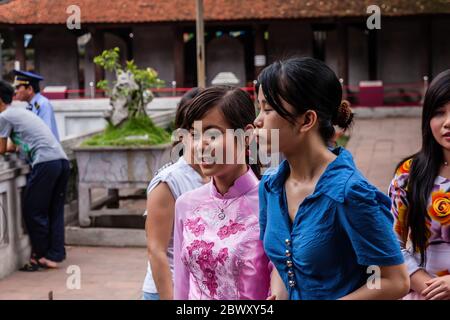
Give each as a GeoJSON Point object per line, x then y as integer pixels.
{"type": "Point", "coordinates": [437, 222]}
{"type": "Point", "coordinates": [400, 221]}
{"type": "Point", "coordinates": [405, 167]}
{"type": "Point", "coordinates": [439, 210]}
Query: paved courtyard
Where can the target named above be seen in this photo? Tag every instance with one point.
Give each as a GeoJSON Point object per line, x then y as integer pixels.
{"type": "Point", "coordinates": [106, 273]}
{"type": "Point", "coordinates": [378, 145]}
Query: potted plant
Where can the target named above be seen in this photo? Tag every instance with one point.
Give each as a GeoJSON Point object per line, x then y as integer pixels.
{"type": "Point", "coordinates": [131, 148]}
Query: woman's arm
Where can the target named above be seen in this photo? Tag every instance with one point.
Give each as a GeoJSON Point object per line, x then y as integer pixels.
{"type": "Point", "coordinates": [397, 193]}
{"type": "Point", "coordinates": [277, 287]}
{"type": "Point", "coordinates": [159, 227]}
{"type": "Point", "coordinates": [368, 222]}
{"type": "Point", "coordinates": [394, 284]}
{"type": "Point", "coordinates": [181, 274]}
{"type": "Point", "coordinates": [419, 279]}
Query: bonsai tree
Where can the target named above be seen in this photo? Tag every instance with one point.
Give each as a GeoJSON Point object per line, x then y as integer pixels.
{"type": "Point", "coordinates": [130, 92]}
{"type": "Point", "coordinates": [128, 122]}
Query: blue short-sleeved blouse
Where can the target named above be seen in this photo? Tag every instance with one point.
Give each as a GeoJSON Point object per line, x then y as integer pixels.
{"type": "Point", "coordinates": [339, 230]}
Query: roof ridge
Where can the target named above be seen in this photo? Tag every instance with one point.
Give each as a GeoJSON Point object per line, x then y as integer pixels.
{"type": "Point", "coordinates": [18, 12]}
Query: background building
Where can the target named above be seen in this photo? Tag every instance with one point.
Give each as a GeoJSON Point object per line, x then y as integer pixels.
{"type": "Point", "coordinates": [241, 37]}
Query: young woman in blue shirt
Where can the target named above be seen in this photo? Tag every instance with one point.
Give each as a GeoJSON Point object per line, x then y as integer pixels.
{"type": "Point", "coordinates": [326, 229]}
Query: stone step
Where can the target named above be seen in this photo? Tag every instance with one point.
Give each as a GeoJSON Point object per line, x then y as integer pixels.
{"type": "Point", "coordinates": [105, 237]}
{"type": "Point", "coordinates": [117, 212]}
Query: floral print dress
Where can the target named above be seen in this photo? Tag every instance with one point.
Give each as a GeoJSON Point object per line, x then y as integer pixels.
{"type": "Point", "coordinates": [438, 224]}
{"type": "Point", "coordinates": [217, 251]}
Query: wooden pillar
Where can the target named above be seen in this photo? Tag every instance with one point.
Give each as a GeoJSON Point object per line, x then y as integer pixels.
{"type": "Point", "coordinates": [179, 57]}
{"type": "Point", "coordinates": [1, 57]}
{"type": "Point", "coordinates": [343, 52]}
{"type": "Point", "coordinates": [98, 46]}
{"type": "Point", "coordinates": [200, 36]}
{"type": "Point", "coordinates": [427, 54]}
{"type": "Point", "coordinates": [372, 45]}
{"type": "Point", "coordinates": [20, 49]}
{"type": "Point", "coordinates": [260, 48]}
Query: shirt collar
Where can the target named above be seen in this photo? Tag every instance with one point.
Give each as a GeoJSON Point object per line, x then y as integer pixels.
{"type": "Point", "coordinates": [35, 99]}
{"type": "Point", "coordinates": [331, 183]}
{"type": "Point", "coordinates": [241, 185]}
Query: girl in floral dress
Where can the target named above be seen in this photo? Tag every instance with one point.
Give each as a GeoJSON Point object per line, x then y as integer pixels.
{"type": "Point", "coordinates": [217, 251]}
{"type": "Point", "coordinates": [420, 193]}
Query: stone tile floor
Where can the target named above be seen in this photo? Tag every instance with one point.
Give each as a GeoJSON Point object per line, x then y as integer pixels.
{"type": "Point", "coordinates": [106, 273]}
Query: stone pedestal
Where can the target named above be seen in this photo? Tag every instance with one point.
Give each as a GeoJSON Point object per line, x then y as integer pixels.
{"type": "Point", "coordinates": [14, 243]}
{"type": "Point", "coordinates": [114, 168]}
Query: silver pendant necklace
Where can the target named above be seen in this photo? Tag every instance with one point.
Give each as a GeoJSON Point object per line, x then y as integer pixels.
{"type": "Point", "coordinates": [221, 214]}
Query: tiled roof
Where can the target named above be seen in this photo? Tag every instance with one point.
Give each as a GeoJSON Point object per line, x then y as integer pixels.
{"type": "Point", "coordinates": [138, 11]}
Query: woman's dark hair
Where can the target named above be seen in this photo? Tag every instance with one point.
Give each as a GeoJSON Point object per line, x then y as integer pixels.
{"type": "Point", "coordinates": [306, 84]}
{"type": "Point", "coordinates": [425, 167]}
{"type": "Point", "coordinates": [6, 92]}
{"type": "Point", "coordinates": [183, 105]}
{"type": "Point", "coordinates": [234, 103]}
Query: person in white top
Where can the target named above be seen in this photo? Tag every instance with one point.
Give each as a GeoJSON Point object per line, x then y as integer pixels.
{"type": "Point", "coordinates": [169, 183]}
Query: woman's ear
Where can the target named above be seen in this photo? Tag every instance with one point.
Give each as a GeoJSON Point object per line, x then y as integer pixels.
{"type": "Point", "coordinates": [249, 128]}
{"type": "Point", "coordinates": [307, 121]}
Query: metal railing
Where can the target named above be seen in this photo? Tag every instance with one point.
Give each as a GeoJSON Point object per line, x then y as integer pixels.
{"type": "Point", "coordinates": [392, 94]}
{"type": "Point", "coordinates": [158, 92]}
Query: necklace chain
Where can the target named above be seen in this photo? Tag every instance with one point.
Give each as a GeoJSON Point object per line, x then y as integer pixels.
{"type": "Point", "coordinates": [221, 214]}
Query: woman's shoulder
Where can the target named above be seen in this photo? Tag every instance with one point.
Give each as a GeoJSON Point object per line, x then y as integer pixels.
{"type": "Point", "coordinates": [404, 168]}
{"type": "Point", "coordinates": [401, 176]}
{"type": "Point", "coordinates": [359, 189]}
{"type": "Point", "coordinates": [164, 172]}
{"type": "Point", "coordinates": [364, 199]}
{"type": "Point", "coordinates": [193, 197]}
{"type": "Point", "coordinates": [161, 176]}
{"type": "Point", "coordinates": [174, 170]}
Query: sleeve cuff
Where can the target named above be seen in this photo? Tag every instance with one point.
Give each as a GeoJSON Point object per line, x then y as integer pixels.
{"type": "Point", "coordinates": [382, 260]}
{"type": "Point", "coordinates": [411, 262]}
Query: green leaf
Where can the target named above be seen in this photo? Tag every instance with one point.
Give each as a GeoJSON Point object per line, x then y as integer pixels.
{"type": "Point", "coordinates": [103, 84]}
